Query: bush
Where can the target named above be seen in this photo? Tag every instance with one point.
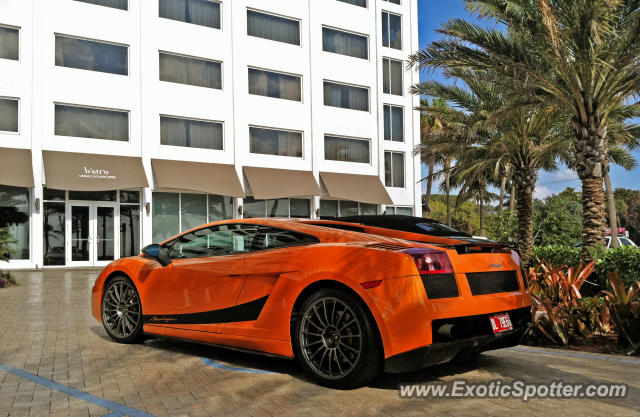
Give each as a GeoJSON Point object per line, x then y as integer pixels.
{"type": "Point", "coordinates": [625, 311]}
{"type": "Point", "coordinates": [556, 255]}
{"type": "Point", "coordinates": [625, 261]}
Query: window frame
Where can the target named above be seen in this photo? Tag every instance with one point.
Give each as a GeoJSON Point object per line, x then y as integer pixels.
{"type": "Point", "coordinates": [11, 132]}
{"type": "Point", "coordinates": [220, 3]}
{"type": "Point", "coordinates": [163, 52]}
{"type": "Point", "coordinates": [19, 29]}
{"type": "Point", "coordinates": [265, 201]}
{"type": "Point", "coordinates": [350, 32]}
{"type": "Point", "coordinates": [339, 201]}
{"type": "Point", "coordinates": [168, 116]}
{"type": "Point", "coordinates": [57, 103]}
{"type": "Point", "coordinates": [324, 81]}
{"type": "Point", "coordinates": [299, 21]}
{"type": "Point", "coordinates": [389, 60]}
{"type": "Point", "coordinates": [404, 167]}
{"type": "Point", "coordinates": [103, 5]}
{"type": "Point", "coordinates": [281, 130]}
{"type": "Point", "coordinates": [388, 40]}
{"type": "Point", "coordinates": [81, 38]}
{"type": "Point", "coordinates": [324, 148]}
{"type": "Point", "coordinates": [299, 76]}
{"type": "Point", "coordinates": [391, 107]}
{"type": "Point", "coordinates": [366, 6]}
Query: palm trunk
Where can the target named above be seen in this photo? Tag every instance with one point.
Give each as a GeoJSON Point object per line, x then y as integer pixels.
{"type": "Point", "coordinates": [613, 217]}
{"type": "Point", "coordinates": [482, 231]}
{"type": "Point", "coordinates": [503, 187]}
{"type": "Point", "coordinates": [447, 187]}
{"type": "Point", "coordinates": [591, 158]}
{"type": "Point", "coordinates": [525, 180]}
{"type": "Point", "coordinates": [512, 200]}
{"type": "Point", "coordinates": [427, 197]}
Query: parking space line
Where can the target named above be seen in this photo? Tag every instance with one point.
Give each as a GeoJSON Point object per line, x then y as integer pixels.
{"type": "Point", "coordinates": [576, 355]}
{"type": "Point", "coordinates": [211, 362]}
{"type": "Point", "coordinates": [118, 409]}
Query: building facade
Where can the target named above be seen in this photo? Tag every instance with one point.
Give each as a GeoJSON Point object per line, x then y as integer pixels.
{"type": "Point", "coordinates": [124, 122]}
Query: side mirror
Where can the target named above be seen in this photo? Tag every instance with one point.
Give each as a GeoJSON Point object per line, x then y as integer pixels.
{"type": "Point", "coordinates": [156, 252]}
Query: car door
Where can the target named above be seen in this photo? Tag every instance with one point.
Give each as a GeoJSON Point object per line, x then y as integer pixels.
{"type": "Point", "coordinates": [275, 254]}
{"type": "Point", "coordinates": [199, 289]}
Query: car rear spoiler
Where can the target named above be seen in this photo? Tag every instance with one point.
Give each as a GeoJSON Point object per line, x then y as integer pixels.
{"type": "Point", "coordinates": [482, 246]}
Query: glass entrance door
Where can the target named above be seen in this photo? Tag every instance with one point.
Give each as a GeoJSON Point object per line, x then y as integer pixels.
{"type": "Point", "coordinates": [92, 234]}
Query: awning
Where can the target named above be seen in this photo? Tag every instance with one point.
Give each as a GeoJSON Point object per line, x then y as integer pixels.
{"type": "Point", "coordinates": [15, 167]}
{"type": "Point", "coordinates": [92, 172]}
{"type": "Point", "coordinates": [269, 183]}
{"type": "Point", "coordinates": [362, 188]}
{"type": "Point", "coordinates": [197, 176]}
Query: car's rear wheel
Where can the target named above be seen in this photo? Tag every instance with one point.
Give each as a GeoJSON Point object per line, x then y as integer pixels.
{"type": "Point", "coordinates": [122, 311]}
{"type": "Point", "coordinates": [336, 340]}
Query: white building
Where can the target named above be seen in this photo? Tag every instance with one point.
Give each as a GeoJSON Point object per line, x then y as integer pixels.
{"type": "Point", "coordinates": [123, 122]}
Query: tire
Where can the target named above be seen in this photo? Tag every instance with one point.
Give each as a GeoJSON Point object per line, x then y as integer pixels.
{"type": "Point", "coordinates": [334, 326]}
{"type": "Point", "coordinates": [121, 311]}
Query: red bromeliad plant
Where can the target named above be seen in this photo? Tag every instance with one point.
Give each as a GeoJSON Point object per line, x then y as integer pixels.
{"type": "Point", "coordinates": [625, 311]}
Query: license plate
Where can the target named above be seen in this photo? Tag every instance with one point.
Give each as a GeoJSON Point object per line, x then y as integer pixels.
{"type": "Point", "coordinates": [500, 322]}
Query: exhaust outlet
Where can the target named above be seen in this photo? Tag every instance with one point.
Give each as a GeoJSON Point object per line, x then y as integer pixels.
{"type": "Point", "coordinates": [448, 331]}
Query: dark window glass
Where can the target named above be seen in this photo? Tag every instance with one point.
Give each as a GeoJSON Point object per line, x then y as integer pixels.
{"type": "Point", "coordinates": [130, 197]}
{"type": "Point", "coordinates": [9, 43]}
{"type": "Point", "coordinates": [328, 208]}
{"type": "Point", "coordinates": [346, 149]}
{"type": "Point", "coordinates": [193, 210]}
{"type": "Point", "coordinates": [53, 195]}
{"type": "Point", "coordinates": [275, 84]}
{"type": "Point", "coordinates": [278, 208]}
{"type": "Point", "coordinates": [190, 71]}
{"type": "Point", "coordinates": [227, 239]}
{"type": "Point", "coordinates": [14, 215]}
{"type": "Point", "coordinates": [348, 208]}
{"type": "Point", "coordinates": [165, 219]}
{"type": "Point", "coordinates": [361, 3]}
{"type": "Point", "coordinates": [220, 207]}
{"type": "Point", "coordinates": [275, 142]}
{"type": "Point", "coordinates": [191, 133]}
{"type": "Point", "coordinates": [87, 122]}
{"type": "Point", "coordinates": [129, 230]}
{"type": "Point", "coordinates": [91, 55]}
{"type": "Point", "coordinates": [346, 96]}
{"type": "Point", "coordinates": [368, 209]}
{"type": "Point", "coordinates": [79, 233]}
{"type": "Point", "coordinates": [197, 12]}
{"type": "Point", "coordinates": [93, 195]}
{"type": "Point", "coordinates": [391, 76]}
{"type": "Point", "coordinates": [391, 30]}
{"type": "Point", "coordinates": [116, 4]}
{"type": "Point", "coordinates": [394, 169]}
{"type": "Point", "coordinates": [275, 28]}
{"type": "Point", "coordinates": [274, 238]}
{"type": "Point", "coordinates": [393, 123]}
{"type": "Point", "coordinates": [9, 114]}
{"type": "Point", "coordinates": [393, 1]}
{"type": "Point", "coordinates": [300, 207]}
{"type": "Point", "coordinates": [54, 233]}
{"type": "Point", "coordinates": [252, 208]}
{"type": "Point", "coordinates": [345, 43]}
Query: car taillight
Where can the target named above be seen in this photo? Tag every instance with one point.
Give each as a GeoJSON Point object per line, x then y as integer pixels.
{"type": "Point", "coordinates": [431, 261]}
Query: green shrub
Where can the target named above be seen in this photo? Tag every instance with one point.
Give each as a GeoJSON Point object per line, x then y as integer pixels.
{"type": "Point", "coordinates": [625, 261]}
{"type": "Point", "coordinates": [556, 255]}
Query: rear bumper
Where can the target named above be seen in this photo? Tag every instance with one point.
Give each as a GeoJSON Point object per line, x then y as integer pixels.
{"type": "Point", "coordinates": [459, 349]}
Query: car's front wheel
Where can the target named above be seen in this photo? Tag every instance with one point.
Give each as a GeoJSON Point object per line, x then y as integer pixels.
{"type": "Point", "coordinates": [122, 311]}
{"type": "Point", "coordinates": [336, 340]}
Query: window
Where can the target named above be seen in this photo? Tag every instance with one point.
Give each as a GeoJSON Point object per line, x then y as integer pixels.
{"type": "Point", "coordinates": [282, 207]}
{"type": "Point", "coordinates": [393, 123]}
{"type": "Point", "coordinates": [275, 142]}
{"type": "Point", "coordinates": [91, 55]}
{"type": "Point", "coordinates": [404, 211]}
{"type": "Point", "coordinates": [275, 84]}
{"type": "Point", "coordinates": [198, 12]}
{"type": "Point", "coordinates": [54, 231]}
{"type": "Point", "coordinates": [343, 208]}
{"type": "Point", "coordinates": [226, 239]}
{"type": "Point", "coordinates": [14, 215]}
{"type": "Point", "coordinates": [191, 71]}
{"type": "Point", "coordinates": [9, 114]}
{"type": "Point", "coordinates": [361, 3]}
{"type": "Point", "coordinates": [90, 122]}
{"type": "Point", "coordinates": [346, 149]}
{"type": "Point", "coordinates": [191, 133]}
{"type": "Point", "coordinates": [391, 30]}
{"type": "Point", "coordinates": [394, 169]}
{"type": "Point", "coordinates": [345, 43]}
{"type": "Point", "coordinates": [275, 238]}
{"type": "Point", "coordinates": [346, 96]}
{"type": "Point", "coordinates": [393, 1]}
{"type": "Point", "coordinates": [9, 43]}
{"type": "Point", "coordinates": [391, 76]}
{"type": "Point", "coordinates": [275, 28]}
{"type": "Point", "coordinates": [177, 212]}
{"type": "Point", "coordinates": [108, 195]}
{"type": "Point", "coordinates": [116, 4]}
{"type": "Point", "coordinates": [129, 223]}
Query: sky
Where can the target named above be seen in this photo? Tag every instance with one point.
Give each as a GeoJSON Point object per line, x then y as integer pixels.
{"type": "Point", "coordinates": [431, 13]}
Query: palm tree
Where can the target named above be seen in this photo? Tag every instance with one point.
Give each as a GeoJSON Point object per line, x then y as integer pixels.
{"type": "Point", "coordinates": [578, 56]}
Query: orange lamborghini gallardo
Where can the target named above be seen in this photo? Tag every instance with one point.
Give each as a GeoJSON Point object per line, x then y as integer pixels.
{"type": "Point", "coordinates": [347, 297]}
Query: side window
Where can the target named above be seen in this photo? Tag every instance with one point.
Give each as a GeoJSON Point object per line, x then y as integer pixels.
{"type": "Point", "coordinates": [273, 238]}
{"type": "Point", "coordinates": [226, 239]}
